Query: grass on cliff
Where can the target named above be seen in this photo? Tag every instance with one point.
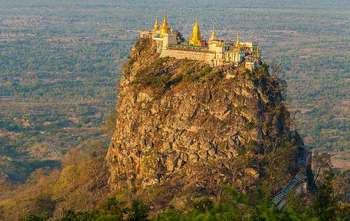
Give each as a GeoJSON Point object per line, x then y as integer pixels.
{"type": "Point", "coordinates": [165, 73]}
{"type": "Point", "coordinates": [161, 74]}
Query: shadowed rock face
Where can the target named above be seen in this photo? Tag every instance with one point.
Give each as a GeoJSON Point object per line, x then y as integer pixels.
{"type": "Point", "coordinates": [189, 128]}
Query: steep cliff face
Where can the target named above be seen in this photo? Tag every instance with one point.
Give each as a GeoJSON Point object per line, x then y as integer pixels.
{"type": "Point", "coordinates": [189, 128]}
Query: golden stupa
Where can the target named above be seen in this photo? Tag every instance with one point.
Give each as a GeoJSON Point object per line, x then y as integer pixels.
{"type": "Point", "coordinates": [164, 28]}
{"type": "Point", "coordinates": [156, 25]}
{"type": "Point", "coordinates": [196, 39]}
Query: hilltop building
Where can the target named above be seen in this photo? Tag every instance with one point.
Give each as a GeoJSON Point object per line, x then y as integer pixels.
{"type": "Point", "coordinates": [215, 52]}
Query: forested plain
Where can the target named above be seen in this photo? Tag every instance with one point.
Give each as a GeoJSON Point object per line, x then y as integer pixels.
{"type": "Point", "coordinates": [60, 62]}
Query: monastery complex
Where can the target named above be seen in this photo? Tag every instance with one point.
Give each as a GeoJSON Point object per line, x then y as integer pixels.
{"type": "Point", "coordinates": [215, 52]}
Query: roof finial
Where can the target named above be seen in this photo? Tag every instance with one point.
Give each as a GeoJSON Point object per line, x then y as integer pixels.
{"type": "Point", "coordinates": [213, 35]}
{"type": "Point", "coordinates": [238, 41]}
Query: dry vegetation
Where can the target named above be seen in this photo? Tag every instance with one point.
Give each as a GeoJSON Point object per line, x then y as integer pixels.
{"type": "Point", "coordinates": [81, 184]}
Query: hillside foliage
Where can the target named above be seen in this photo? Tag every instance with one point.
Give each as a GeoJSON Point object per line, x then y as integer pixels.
{"type": "Point", "coordinates": [231, 205]}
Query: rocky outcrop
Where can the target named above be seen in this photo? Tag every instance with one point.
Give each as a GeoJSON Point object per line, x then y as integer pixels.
{"type": "Point", "coordinates": [189, 128]}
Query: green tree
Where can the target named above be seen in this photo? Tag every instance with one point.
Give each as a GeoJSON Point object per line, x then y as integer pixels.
{"type": "Point", "coordinates": [325, 203]}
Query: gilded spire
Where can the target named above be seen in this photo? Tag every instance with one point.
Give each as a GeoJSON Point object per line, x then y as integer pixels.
{"type": "Point", "coordinates": [164, 28]}
{"type": "Point", "coordinates": [196, 35]}
{"type": "Point", "coordinates": [156, 25]}
{"type": "Point", "coordinates": [257, 52]}
{"type": "Point", "coordinates": [213, 36]}
{"type": "Point", "coordinates": [238, 41]}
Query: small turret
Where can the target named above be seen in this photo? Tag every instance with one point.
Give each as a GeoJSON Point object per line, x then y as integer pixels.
{"type": "Point", "coordinates": [156, 25]}
{"type": "Point", "coordinates": [213, 36]}
{"type": "Point", "coordinates": [164, 28]}
{"type": "Point", "coordinates": [196, 39]}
